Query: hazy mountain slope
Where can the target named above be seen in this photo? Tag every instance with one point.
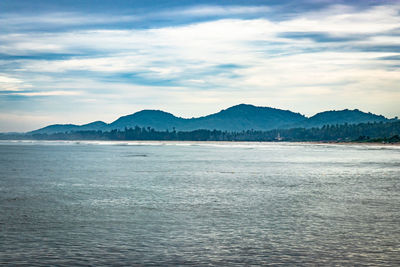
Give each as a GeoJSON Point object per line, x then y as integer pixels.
{"type": "Point", "coordinates": [236, 118]}
{"type": "Point", "coordinates": [245, 117]}
{"type": "Point", "coordinates": [57, 128]}
{"type": "Point", "coordinates": [97, 125]}
{"type": "Point", "coordinates": [340, 117]}
{"type": "Point", "coordinates": [156, 119]}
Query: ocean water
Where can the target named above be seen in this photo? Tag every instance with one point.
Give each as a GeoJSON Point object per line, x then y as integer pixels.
{"type": "Point", "coordinates": [206, 204]}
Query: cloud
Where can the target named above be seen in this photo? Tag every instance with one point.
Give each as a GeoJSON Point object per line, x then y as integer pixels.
{"type": "Point", "coordinates": [321, 37]}
{"type": "Point", "coordinates": [315, 57]}
{"type": "Point", "coordinates": [5, 79]}
{"type": "Point", "coordinates": [57, 20]}
{"type": "Point", "coordinates": [207, 10]}
{"type": "Point", "coordinates": [10, 84]}
{"type": "Point", "coordinates": [50, 93]}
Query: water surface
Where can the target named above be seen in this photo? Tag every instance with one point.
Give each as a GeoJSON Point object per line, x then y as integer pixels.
{"type": "Point", "coordinates": [190, 203]}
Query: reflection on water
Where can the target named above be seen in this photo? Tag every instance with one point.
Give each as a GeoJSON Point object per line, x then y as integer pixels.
{"type": "Point", "coordinates": [171, 203]}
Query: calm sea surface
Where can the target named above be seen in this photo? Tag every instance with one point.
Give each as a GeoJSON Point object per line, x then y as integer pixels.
{"type": "Point", "coordinates": [154, 203]}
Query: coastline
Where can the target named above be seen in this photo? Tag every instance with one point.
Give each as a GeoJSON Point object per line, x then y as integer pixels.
{"type": "Point", "coordinates": [160, 142]}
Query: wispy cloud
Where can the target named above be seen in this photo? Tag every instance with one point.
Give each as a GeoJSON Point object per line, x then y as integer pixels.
{"type": "Point", "coordinates": [8, 80]}
{"type": "Point", "coordinates": [50, 93]}
{"type": "Point", "coordinates": [205, 11]}
{"type": "Point", "coordinates": [305, 62]}
{"type": "Point", "coordinates": [58, 20]}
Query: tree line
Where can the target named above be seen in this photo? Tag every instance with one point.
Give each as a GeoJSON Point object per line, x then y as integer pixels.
{"type": "Point", "coordinates": [363, 132]}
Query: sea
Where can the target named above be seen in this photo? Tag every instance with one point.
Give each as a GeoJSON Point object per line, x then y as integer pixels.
{"type": "Point", "coordinates": [99, 203]}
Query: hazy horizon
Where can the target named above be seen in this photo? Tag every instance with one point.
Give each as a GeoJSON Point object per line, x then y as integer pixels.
{"type": "Point", "coordinates": [63, 62]}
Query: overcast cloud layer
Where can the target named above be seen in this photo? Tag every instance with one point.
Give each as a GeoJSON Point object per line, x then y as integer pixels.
{"type": "Point", "coordinates": [75, 64]}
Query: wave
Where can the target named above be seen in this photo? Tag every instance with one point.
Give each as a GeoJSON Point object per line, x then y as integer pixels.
{"type": "Point", "coordinates": [220, 144]}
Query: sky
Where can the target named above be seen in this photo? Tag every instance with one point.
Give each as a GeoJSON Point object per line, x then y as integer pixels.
{"type": "Point", "coordinates": [83, 61]}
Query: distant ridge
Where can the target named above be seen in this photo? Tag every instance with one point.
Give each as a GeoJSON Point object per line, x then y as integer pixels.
{"type": "Point", "coordinates": [236, 118]}
{"type": "Point", "coordinates": [341, 117]}
{"type": "Point", "coordinates": [156, 119]}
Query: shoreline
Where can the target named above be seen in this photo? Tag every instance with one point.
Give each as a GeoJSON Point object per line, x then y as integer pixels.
{"type": "Point", "coordinates": [201, 142]}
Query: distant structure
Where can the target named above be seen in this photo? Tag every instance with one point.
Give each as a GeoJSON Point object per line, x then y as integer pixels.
{"type": "Point", "coordinates": [278, 137]}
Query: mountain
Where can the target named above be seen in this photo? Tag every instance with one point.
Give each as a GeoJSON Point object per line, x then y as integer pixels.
{"type": "Point", "coordinates": [156, 119]}
{"type": "Point", "coordinates": [334, 117]}
{"type": "Point", "coordinates": [237, 118]}
{"type": "Point", "coordinates": [99, 125]}
{"type": "Point", "coordinates": [60, 128]}
{"type": "Point", "coordinates": [245, 117]}
{"type": "Point", "coordinates": [57, 128]}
